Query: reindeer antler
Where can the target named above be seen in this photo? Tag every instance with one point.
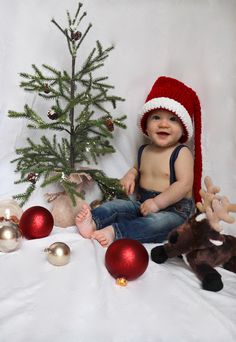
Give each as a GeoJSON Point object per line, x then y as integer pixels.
{"type": "Point", "coordinates": [209, 195]}
{"type": "Point", "coordinates": [216, 207]}
{"type": "Point", "coordinates": [219, 212]}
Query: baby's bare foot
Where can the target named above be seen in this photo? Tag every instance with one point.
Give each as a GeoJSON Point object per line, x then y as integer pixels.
{"type": "Point", "coordinates": [104, 236]}
{"type": "Point", "coordinates": [84, 222]}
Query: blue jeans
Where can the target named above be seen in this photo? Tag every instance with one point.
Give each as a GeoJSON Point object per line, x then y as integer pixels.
{"type": "Point", "coordinates": [127, 221]}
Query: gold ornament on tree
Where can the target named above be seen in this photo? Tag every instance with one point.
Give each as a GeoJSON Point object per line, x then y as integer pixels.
{"type": "Point", "coordinates": [58, 254]}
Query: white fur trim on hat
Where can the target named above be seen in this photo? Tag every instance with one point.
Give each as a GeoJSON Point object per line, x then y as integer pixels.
{"type": "Point", "coordinates": [174, 107]}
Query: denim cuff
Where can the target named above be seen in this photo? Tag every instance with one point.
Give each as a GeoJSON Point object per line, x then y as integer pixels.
{"type": "Point", "coordinates": [97, 222]}
{"type": "Point", "coordinates": [117, 231]}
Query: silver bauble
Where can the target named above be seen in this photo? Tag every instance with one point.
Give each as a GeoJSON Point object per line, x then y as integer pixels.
{"type": "Point", "coordinates": [58, 254]}
{"type": "Point", "coordinates": [10, 208]}
{"type": "Point", "coordinates": [10, 237]}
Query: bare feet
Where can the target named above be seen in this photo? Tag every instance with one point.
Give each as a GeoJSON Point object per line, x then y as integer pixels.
{"type": "Point", "coordinates": [87, 228]}
{"type": "Point", "coordinates": [84, 222]}
{"type": "Point", "coordinates": [104, 236]}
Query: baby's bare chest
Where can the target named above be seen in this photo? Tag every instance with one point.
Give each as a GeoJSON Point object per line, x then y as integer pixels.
{"type": "Point", "coordinates": [155, 164]}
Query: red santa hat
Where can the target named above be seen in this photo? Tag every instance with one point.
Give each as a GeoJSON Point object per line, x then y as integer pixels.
{"type": "Point", "coordinates": [174, 96]}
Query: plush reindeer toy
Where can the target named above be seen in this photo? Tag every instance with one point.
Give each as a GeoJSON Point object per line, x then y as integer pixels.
{"type": "Point", "coordinates": [200, 241]}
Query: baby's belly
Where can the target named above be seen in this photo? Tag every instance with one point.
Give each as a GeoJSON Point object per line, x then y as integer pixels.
{"type": "Point", "coordinates": [151, 184]}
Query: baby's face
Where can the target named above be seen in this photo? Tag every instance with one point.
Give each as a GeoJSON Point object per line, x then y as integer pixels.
{"type": "Point", "coordinates": [164, 128]}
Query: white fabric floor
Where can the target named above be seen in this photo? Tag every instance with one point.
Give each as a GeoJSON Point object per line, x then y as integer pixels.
{"type": "Point", "coordinates": [81, 301]}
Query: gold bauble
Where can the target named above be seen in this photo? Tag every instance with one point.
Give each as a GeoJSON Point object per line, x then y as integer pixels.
{"type": "Point", "coordinates": [58, 254]}
{"type": "Point", "coordinates": [10, 237]}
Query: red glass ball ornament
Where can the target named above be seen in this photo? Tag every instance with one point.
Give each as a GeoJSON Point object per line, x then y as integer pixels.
{"type": "Point", "coordinates": [126, 259]}
{"type": "Point", "coordinates": [36, 222]}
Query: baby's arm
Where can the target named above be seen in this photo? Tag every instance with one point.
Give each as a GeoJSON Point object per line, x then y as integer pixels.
{"type": "Point", "coordinates": [176, 191]}
{"type": "Point", "coordinates": [128, 180]}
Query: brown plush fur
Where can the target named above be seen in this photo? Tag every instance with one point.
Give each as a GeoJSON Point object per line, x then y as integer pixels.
{"type": "Point", "coordinates": [196, 240]}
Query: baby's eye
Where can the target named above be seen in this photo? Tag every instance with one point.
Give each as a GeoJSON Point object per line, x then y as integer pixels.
{"type": "Point", "coordinates": [155, 117]}
{"type": "Point", "coordinates": [173, 118]}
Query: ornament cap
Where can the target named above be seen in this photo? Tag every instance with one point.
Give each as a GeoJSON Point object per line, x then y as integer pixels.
{"type": "Point", "coordinates": [121, 282]}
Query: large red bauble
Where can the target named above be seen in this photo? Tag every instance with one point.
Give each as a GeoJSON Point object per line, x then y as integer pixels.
{"type": "Point", "coordinates": [36, 222]}
{"type": "Point", "coordinates": [126, 258]}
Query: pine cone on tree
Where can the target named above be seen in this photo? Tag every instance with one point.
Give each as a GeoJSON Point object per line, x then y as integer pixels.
{"type": "Point", "coordinates": [53, 115]}
{"type": "Point", "coordinates": [76, 35]}
{"type": "Point", "coordinates": [109, 124]}
{"type": "Point", "coordinates": [32, 177]}
{"type": "Point", "coordinates": [46, 89]}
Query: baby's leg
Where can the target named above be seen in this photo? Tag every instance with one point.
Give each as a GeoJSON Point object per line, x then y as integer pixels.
{"type": "Point", "coordinates": [84, 222]}
{"type": "Point", "coordinates": [104, 236]}
{"type": "Point", "coordinates": [117, 210]}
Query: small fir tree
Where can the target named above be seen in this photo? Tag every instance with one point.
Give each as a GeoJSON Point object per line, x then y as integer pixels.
{"type": "Point", "coordinates": [79, 110]}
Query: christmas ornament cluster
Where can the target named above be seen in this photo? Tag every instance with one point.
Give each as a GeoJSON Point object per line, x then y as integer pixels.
{"type": "Point", "coordinates": [125, 259]}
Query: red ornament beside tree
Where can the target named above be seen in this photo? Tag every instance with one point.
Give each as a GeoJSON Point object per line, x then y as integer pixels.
{"type": "Point", "coordinates": [36, 222]}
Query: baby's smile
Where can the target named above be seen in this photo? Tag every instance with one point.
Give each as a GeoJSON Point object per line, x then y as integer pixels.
{"type": "Point", "coordinates": [163, 134]}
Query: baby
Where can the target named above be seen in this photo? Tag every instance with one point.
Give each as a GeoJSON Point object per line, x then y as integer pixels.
{"type": "Point", "coordinates": [164, 174]}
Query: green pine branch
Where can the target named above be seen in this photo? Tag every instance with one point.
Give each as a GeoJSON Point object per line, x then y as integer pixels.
{"type": "Point", "coordinates": [70, 189]}
{"type": "Point", "coordinates": [42, 157]}
{"type": "Point", "coordinates": [38, 122]}
{"type": "Point", "coordinates": [24, 197]}
{"type": "Point", "coordinates": [110, 187]}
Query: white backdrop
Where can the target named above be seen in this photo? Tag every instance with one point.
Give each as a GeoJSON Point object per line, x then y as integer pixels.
{"type": "Point", "coordinates": [193, 41]}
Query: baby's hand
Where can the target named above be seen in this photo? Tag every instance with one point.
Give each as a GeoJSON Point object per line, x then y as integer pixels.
{"type": "Point", "coordinates": [149, 206]}
{"type": "Point", "coordinates": [128, 184]}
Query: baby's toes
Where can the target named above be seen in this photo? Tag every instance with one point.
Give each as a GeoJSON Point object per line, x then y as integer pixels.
{"type": "Point", "coordinates": [104, 243]}
{"type": "Point", "coordinates": [79, 217]}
